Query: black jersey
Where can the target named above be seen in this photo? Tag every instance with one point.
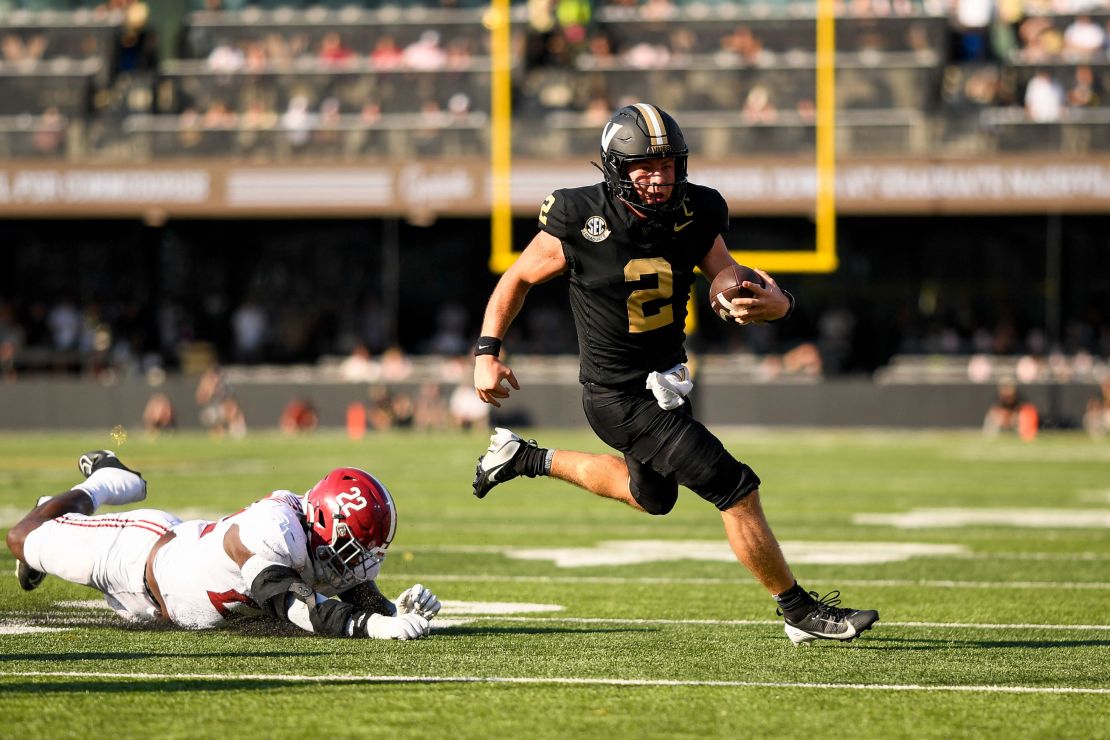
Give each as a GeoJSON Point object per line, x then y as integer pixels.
{"type": "Point", "coordinates": [630, 279]}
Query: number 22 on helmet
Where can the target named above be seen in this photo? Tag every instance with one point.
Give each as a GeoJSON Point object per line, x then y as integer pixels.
{"type": "Point", "coordinates": [351, 520]}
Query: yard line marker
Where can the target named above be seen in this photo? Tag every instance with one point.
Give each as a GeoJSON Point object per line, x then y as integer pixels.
{"type": "Point", "coordinates": [562, 681]}
{"type": "Point", "coordinates": [1048, 556]}
{"type": "Point", "coordinates": [760, 622]}
{"type": "Point", "coordinates": [667, 580]}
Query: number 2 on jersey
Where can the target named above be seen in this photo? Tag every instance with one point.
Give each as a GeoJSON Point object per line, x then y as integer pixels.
{"type": "Point", "coordinates": [638, 269]}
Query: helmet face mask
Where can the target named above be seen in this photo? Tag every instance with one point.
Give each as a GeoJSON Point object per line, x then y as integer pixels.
{"type": "Point", "coordinates": [351, 520]}
{"type": "Point", "coordinates": [636, 133]}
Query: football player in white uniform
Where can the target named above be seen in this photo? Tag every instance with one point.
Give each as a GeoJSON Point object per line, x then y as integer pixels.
{"type": "Point", "coordinates": [284, 556]}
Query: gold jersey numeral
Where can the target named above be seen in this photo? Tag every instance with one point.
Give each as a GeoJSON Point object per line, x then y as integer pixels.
{"type": "Point", "coordinates": [547, 203]}
{"type": "Point", "coordinates": [638, 269]}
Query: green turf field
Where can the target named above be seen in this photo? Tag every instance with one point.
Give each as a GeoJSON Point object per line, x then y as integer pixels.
{"type": "Point", "coordinates": [571, 616]}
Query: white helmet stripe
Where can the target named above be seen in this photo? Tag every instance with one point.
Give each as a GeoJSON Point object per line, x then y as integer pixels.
{"type": "Point", "coordinates": [656, 128]}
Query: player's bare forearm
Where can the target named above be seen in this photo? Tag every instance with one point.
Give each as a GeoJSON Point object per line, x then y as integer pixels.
{"type": "Point", "coordinates": [542, 260]}
{"type": "Point", "coordinates": [504, 304]}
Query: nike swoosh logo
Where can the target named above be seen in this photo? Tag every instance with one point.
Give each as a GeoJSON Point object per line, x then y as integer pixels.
{"type": "Point", "coordinates": [484, 346]}
{"type": "Point", "coordinates": [680, 227]}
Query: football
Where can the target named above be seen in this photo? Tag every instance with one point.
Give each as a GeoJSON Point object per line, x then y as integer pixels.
{"type": "Point", "coordinates": [728, 285]}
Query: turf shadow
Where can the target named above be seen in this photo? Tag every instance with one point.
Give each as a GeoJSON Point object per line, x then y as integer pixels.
{"type": "Point", "coordinates": [144, 686]}
{"type": "Point", "coordinates": [472, 630]}
{"type": "Point", "coordinates": [75, 656]}
{"type": "Point", "coordinates": [936, 643]}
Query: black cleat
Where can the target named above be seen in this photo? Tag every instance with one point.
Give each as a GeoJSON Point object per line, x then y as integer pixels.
{"type": "Point", "coordinates": [499, 463]}
{"type": "Point", "coordinates": [93, 461]}
{"type": "Point", "coordinates": [827, 621]}
{"type": "Point", "coordinates": [29, 578]}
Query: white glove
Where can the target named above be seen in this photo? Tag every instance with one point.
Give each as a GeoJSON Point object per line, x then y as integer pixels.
{"type": "Point", "coordinates": [418, 600]}
{"type": "Point", "coordinates": [671, 386]}
{"type": "Point", "coordinates": [403, 627]}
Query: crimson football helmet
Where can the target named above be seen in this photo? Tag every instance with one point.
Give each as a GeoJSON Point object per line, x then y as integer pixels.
{"type": "Point", "coordinates": [642, 131]}
{"type": "Point", "coordinates": [351, 519]}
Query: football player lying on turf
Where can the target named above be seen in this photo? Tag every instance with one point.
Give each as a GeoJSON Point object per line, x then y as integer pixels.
{"type": "Point", "coordinates": [629, 246]}
{"type": "Point", "coordinates": [285, 555]}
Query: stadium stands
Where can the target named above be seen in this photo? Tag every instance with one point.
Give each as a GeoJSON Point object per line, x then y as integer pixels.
{"type": "Point", "coordinates": [742, 74]}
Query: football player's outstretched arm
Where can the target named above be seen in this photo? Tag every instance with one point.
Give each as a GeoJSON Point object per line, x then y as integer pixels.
{"type": "Point", "coordinates": [769, 303]}
{"type": "Point", "coordinates": [283, 595]}
{"type": "Point", "coordinates": [541, 260]}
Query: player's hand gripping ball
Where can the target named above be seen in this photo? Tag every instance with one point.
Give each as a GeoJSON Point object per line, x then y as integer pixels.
{"type": "Point", "coordinates": [728, 285]}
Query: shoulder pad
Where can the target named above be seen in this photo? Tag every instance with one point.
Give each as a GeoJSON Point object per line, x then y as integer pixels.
{"type": "Point", "coordinates": [273, 530]}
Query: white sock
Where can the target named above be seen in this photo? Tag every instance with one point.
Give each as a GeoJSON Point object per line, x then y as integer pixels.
{"type": "Point", "coordinates": [113, 487]}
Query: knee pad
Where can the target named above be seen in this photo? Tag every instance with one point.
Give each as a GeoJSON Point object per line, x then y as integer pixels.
{"type": "Point", "coordinates": [657, 499]}
{"type": "Point", "coordinates": [726, 482]}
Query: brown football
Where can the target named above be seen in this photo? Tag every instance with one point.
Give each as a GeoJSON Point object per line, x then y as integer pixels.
{"type": "Point", "coordinates": [728, 285]}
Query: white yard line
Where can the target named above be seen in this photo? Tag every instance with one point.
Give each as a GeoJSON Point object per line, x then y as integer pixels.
{"type": "Point", "coordinates": [669, 581]}
{"type": "Point", "coordinates": [751, 622]}
{"type": "Point", "coordinates": [560, 681]}
{"type": "Point", "coordinates": [1046, 556]}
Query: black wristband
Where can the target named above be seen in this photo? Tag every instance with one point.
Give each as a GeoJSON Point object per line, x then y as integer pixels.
{"type": "Point", "coordinates": [789, 311]}
{"type": "Point", "coordinates": [487, 346]}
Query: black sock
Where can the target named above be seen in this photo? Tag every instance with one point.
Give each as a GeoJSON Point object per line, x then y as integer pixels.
{"type": "Point", "coordinates": [533, 461]}
{"type": "Point", "coordinates": [795, 602]}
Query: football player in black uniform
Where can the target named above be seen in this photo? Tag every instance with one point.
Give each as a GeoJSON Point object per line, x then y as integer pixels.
{"type": "Point", "coordinates": [630, 245]}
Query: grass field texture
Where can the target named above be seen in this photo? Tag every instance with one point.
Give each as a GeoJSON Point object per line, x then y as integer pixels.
{"type": "Point", "coordinates": [571, 616]}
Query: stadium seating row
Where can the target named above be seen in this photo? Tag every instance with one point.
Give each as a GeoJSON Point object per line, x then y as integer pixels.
{"type": "Point", "coordinates": [252, 82]}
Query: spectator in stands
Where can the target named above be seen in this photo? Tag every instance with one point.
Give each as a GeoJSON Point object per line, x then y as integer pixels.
{"type": "Point", "coordinates": [298, 121]}
{"type": "Point", "coordinates": [395, 365]}
{"type": "Point", "coordinates": [1040, 40]}
{"type": "Point", "coordinates": [386, 54]}
{"type": "Point", "coordinates": [1085, 90]}
{"type": "Point", "coordinates": [459, 54]}
{"type": "Point", "coordinates": [359, 366]}
{"type": "Point", "coordinates": [972, 21]}
{"type": "Point", "coordinates": [1010, 413]}
{"type": "Point", "coordinates": [220, 412]}
{"type": "Point", "coordinates": [65, 325]}
{"type": "Point", "coordinates": [137, 48]}
{"type": "Point", "coordinates": [226, 57]}
{"type": "Point", "coordinates": [379, 412]}
{"type": "Point", "coordinates": [218, 116]}
{"type": "Point", "coordinates": [1096, 419]}
{"type": "Point", "coordinates": [1083, 39]}
{"type": "Point", "coordinates": [329, 131]}
{"type": "Point", "coordinates": [333, 52]}
{"type": "Point", "coordinates": [159, 415]}
{"type": "Point", "coordinates": [1044, 98]}
{"type": "Point", "coordinates": [299, 417]}
{"type": "Point", "coordinates": [256, 59]}
{"type": "Point", "coordinates": [403, 411]}
{"type": "Point", "coordinates": [258, 115]}
{"type": "Point", "coordinates": [741, 47]}
{"type": "Point", "coordinates": [425, 53]}
{"type": "Point", "coordinates": [468, 412]}
{"type": "Point", "coordinates": [758, 107]}
{"type": "Point", "coordinates": [250, 325]}
{"type": "Point", "coordinates": [49, 134]}
{"type": "Point", "coordinates": [431, 410]}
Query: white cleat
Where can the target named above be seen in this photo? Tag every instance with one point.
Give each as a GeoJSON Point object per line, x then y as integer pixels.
{"type": "Point", "coordinates": [497, 465]}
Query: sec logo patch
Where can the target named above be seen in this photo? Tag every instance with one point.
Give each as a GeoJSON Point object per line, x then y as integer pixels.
{"type": "Point", "coordinates": [596, 230]}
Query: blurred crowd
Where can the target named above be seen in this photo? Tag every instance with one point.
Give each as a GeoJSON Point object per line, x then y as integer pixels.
{"type": "Point", "coordinates": [314, 81]}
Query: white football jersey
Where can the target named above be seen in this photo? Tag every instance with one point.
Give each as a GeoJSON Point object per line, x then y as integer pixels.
{"type": "Point", "coordinates": [202, 586]}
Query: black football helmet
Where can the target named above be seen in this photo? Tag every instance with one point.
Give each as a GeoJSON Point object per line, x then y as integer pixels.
{"type": "Point", "coordinates": [642, 131]}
